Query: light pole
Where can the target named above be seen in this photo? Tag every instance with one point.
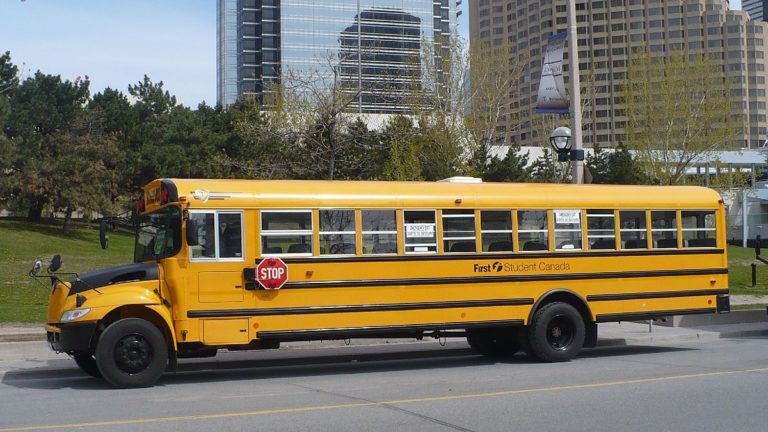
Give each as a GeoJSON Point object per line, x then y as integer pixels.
{"type": "Point", "coordinates": [577, 173]}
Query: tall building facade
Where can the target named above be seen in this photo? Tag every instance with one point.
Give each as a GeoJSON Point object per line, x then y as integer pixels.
{"type": "Point", "coordinates": [608, 31]}
{"type": "Point", "coordinates": [373, 46]}
{"type": "Point", "coordinates": [757, 9]}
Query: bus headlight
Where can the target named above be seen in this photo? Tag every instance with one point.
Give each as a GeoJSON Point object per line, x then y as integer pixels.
{"type": "Point", "coordinates": [74, 314]}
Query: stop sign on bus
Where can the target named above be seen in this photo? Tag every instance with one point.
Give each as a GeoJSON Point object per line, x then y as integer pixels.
{"type": "Point", "coordinates": [272, 273]}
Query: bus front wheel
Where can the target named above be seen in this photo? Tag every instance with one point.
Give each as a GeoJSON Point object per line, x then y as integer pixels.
{"type": "Point", "coordinates": [131, 353]}
{"type": "Point", "coordinates": [87, 363]}
{"type": "Point", "coordinates": [556, 332]}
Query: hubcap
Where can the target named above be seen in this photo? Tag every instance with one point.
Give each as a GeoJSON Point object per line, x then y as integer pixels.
{"type": "Point", "coordinates": [560, 333]}
{"type": "Point", "coordinates": [133, 354]}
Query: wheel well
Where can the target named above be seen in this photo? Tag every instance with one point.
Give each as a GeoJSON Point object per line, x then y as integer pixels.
{"type": "Point", "coordinates": [137, 311]}
{"type": "Point", "coordinates": [564, 296]}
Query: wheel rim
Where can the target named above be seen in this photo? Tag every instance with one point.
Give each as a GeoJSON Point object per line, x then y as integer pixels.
{"type": "Point", "coordinates": [133, 354]}
{"type": "Point", "coordinates": [560, 333]}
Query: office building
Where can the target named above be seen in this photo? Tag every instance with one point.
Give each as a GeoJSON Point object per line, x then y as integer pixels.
{"type": "Point", "coordinates": [374, 46]}
{"type": "Point", "coordinates": [757, 9]}
{"type": "Point", "coordinates": [608, 31]}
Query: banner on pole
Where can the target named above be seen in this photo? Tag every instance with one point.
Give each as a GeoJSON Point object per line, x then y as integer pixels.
{"type": "Point", "coordinates": [551, 98]}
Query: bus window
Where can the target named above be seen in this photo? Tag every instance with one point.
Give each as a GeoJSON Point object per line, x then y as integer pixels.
{"type": "Point", "coordinates": [379, 232]}
{"type": "Point", "coordinates": [567, 229]}
{"type": "Point", "coordinates": [219, 235]}
{"type": "Point", "coordinates": [601, 232]}
{"type": "Point", "coordinates": [337, 232]}
{"type": "Point", "coordinates": [664, 229]}
{"type": "Point", "coordinates": [633, 229]}
{"type": "Point", "coordinates": [496, 229]}
{"type": "Point", "coordinates": [206, 235]}
{"type": "Point", "coordinates": [532, 232]}
{"type": "Point", "coordinates": [420, 233]}
{"type": "Point", "coordinates": [699, 228]}
{"type": "Point", "coordinates": [230, 235]}
{"type": "Point", "coordinates": [459, 231]}
{"type": "Point", "coordinates": [286, 232]}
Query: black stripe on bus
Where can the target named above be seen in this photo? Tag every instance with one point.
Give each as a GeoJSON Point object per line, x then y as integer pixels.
{"type": "Point", "coordinates": [653, 295]}
{"type": "Point", "coordinates": [358, 308]}
{"type": "Point", "coordinates": [495, 256]}
{"type": "Point", "coordinates": [313, 334]}
{"type": "Point", "coordinates": [497, 279]}
{"type": "Point", "coordinates": [635, 316]}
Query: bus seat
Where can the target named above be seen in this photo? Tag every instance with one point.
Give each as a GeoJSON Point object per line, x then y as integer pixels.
{"type": "Point", "coordinates": [342, 249]}
{"type": "Point", "coordinates": [300, 248]}
{"type": "Point", "coordinates": [603, 244]}
{"type": "Point", "coordinates": [272, 250]}
{"type": "Point", "coordinates": [463, 247]}
{"type": "Point", "coordinates": [666, 243]}
{"type": "Point", "coordinates": [705, 242]}
{"type": "Point", "coordinates": [534, 246]}
{"type": "Point", "coordinates": [635, 244]}
{"type": "Point", "coordinates": [382, 248]}
{"type": "Point", "coordinates": [500, 246]}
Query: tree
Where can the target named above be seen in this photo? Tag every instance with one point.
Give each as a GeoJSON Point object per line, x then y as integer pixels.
{"type": "Point", "coordinates": [513, 168]}
{"type": "Point", "coordinates": [615, 167]}
{"type": "Point", "coordinates": [151, 99]}
{"type": "Point", "coordinates": [678, 109]}
{"type": "Point", "coordinates": [43, 107]}
{"type": "Point", "coordinates": [546, 169]}
{"type": "Point", "coordinates": [402, 161]}
{"type": "Point", "coordinates": [9, 74]}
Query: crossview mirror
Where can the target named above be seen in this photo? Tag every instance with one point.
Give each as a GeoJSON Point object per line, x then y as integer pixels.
{"type": "Point", "coordinates": [36, 268]}
{"type": "Point", "coordinates": [55, 264]}
{"type": "Point", "coordinates": [192, 233]}
{"type": "Point", "coordinates": [103, 237]}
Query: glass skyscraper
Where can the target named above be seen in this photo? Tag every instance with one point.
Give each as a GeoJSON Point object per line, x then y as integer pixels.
{"type": "Point", "coordinates": [757, 9]}
{"type": "Point", "coordinates": [372, 47]}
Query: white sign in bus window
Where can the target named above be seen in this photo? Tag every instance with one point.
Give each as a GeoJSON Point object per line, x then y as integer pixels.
{"type": "Point", "coordinates": [567, 216]}
{"type": "Point", "coordinates": [420, 230]}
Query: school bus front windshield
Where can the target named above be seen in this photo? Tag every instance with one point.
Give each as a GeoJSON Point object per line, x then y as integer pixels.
{"type": "Point", "coordinates": [158, 234]}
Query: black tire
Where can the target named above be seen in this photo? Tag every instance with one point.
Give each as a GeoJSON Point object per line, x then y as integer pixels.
{"type": "Point", "coordinates": [132, 353]}
{"type": "Point", "coordinates": [494, 342]}
{"type": "Point", "coordinates": [87, 363]}
{"type": "Point", "coordinates": [556, 333]}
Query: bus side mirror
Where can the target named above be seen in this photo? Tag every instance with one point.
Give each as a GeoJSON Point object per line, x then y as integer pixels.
{"type": "Point", "coordinates": [103, 237]}
{"type": "Point", "coordinates": [192, 233]}
{"type": "Point", "coordinates": [55, 264]}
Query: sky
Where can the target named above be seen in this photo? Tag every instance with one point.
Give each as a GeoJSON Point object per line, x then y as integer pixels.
{"type": "Point", "coordinates": [116, 42]}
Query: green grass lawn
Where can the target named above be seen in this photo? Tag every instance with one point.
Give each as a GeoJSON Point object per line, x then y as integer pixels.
{"type": "Point", "coordinates": [23, 299]}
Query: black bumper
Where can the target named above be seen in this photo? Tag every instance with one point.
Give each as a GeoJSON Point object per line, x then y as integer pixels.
{"type": "Point", "coordinates": [73, 337]}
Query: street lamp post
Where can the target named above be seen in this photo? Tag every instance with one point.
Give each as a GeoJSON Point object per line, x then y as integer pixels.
{"type": "Point", "coordinates": [577, 173]}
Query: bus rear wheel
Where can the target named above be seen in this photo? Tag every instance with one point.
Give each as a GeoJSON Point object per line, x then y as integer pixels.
{"type": "Point", "coordinates": [494, 341]}
{"type": "Point", "coordinates": [131, 353]}
{"type": "Point", "coordinates": [556, 332]}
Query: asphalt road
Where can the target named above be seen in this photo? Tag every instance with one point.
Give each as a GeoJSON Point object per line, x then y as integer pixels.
{"type": "Point", "coordinates": [705, 386]}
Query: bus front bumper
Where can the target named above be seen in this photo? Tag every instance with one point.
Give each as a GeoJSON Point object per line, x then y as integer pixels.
{"type": "Point", "coordinates": [71, 337]}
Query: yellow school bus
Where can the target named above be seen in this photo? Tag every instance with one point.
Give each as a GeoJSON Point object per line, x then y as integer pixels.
{"type": "Point", "coordinates": [511, 267]}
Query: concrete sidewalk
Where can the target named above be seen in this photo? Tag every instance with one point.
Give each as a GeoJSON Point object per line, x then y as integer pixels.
{"type": "Point", "coordinates": [694, 328]}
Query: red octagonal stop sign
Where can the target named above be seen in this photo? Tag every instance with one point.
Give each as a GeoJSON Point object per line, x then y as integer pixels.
{"type": "Point", "coordinates": [272, 273]}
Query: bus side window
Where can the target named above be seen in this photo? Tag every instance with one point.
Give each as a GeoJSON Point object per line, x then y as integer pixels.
{"type": "Point", "coordinates": [337, 232]}
{"type": "Point", "coordinates": [496, 229]}
{"type": "Point", "coordinates": [206, 235]}
{"type": "Point", "coordinates": [532, 232]}
{"type": "Point", "coordinates": [459, 231]}
{"type": "Point", "coordinates": [286, 232]}
{"type": "Point", "coordinates": [567, 229]}
{"type": "Point", "coordinates": [664, 229]}
{"type": "Point", "coordinates": [633, 229]}
{"type": "Point", "coordinates": [601, 229]}
{"type": "Point", "coordinates": [379, 231]}
{"type": "Point", "coordinates": [231, 235]}
{"type": "Point", "coordinates": [699, 229]}
{"type": "Point", "coordinates": [420, 233]}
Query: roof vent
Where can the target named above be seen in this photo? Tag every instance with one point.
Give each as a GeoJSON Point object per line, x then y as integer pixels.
{"type": "Point", "coordinates": [461, 179]}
